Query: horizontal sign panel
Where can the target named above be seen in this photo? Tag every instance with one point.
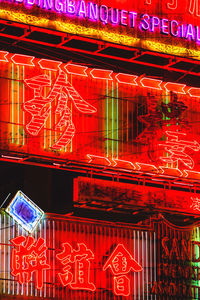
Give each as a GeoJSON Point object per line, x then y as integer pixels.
{"type": "Point", "coordinates": [123, 197]}
{"type": "Point", "coordinates": [139, 24]}
{"type": "Point", "coordinates": [72, 258]}
{"type": "Point", "coordinates": [68, 112]}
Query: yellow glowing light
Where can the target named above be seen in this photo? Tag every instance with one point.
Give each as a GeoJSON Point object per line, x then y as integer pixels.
{"type": "Point", "coordinates": [171, 49]}
{"type": "Point", "coordinates": [101, 34]}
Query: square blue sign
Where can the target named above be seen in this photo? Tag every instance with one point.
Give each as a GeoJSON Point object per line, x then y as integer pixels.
{"type": "Point", "coordinates": [24, 211]}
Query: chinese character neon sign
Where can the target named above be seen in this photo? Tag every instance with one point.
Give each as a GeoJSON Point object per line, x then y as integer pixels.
{"type": "Point", "coordinates": [76, 271]}
{"type": "Point", "coordinates": [121, 263]}
{"type": "Point", "coordinates": [30, 258]}
{"type": "Point", "coordinates": [39, 107]}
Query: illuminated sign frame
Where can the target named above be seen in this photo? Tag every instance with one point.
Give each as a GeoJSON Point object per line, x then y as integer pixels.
{"type": "Point", "coordinates": [25, 212]}
{"type": "Point", "coordinates": [122, 23]}
{"type": "Point", "coordinates": [105, 77]}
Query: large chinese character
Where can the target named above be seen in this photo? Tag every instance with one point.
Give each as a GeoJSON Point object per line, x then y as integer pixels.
{"type": "Point", "coordinates": [176, 147]}
{"type": "Point", "coordinates": [76, 271]}
{"type": "Point", "coordinates": [39, 107]}
{"type": "Point", "coordinates": [121, 263]}
{"type": "Point", "coordinates": [28, 258]}
{"type": "Point", "coordinates": [152, 119]}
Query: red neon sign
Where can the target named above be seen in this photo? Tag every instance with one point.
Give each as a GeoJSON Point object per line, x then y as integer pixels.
{"type": "Point", "coordinates": [121, 263]}
{"type": "Point", "coordinates": [79, 278]}
{"type": "Point", "coordinates": [30, 257]}
{"type": "Point", "coordinates": [97, 117]}
{"type": "Point", "coordinates": [39, 107]}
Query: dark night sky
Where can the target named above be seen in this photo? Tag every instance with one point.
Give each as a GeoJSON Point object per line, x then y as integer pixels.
{"type": "Point", "coordinates": [50, 189]}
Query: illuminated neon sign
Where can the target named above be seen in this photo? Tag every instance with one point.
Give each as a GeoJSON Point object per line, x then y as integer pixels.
{"type": "Point", "coordinates": [122, 197]}
{"type": "Point", "coordinates": [24, 211]}
{"type": "Point", "coordinates": [70, 112]}
{"type": "Point", "coordinates": [79, 257]}
{"type": "Point", "coordinates": [133, 24]}
{"type": "Point", "coordinates": [109, 15]}
{"type": "Point", "coordinates": [30, 258]}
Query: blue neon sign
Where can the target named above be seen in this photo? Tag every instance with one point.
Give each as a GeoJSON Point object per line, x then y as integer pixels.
{"type": "Point", "coordinates": [24, 211]}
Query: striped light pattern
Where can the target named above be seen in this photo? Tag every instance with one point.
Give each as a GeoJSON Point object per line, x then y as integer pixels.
{"type": "Point", "coordinates": [100, 237]}
{"type": "Point", "coordinates": [115, 130]}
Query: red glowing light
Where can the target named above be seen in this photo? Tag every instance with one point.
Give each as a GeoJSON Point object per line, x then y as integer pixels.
{"type": "Point", "coordinates": [76, 69]}
{"type": "Point", "coordinates": [77, 265]}
{"type": "Point", "coordinates": [48, 64]}
{"type": "Point", "coordinates": [151, 83]}
{"type": "Point", "coordinates": [194, 92]}
{"type": "Point", "coordinates": [24, 60]}
{"type": "Point", "coordinates": [176, 148]}
{"type": "Point", "coordinates": [30, 257]}
{"type": "Point", "coordinates": [172, 5]}
{"type": "Point", "coordinates": [194, 8]}
{"type": "Point", "coordinates": [3, 55]}
{"type": "Point", "coordinates": [121, 263]}
{"type": "Point", "coordinates": [122, 285]}
{"type": "Point", "coordinates": [101, 74]}
{"type": "Point", "coordinates": [175, 87]}
{"type": "Point", "coordinates": [123, 164]}
{"type": "Point", "coordinates": [39, 107]}
{"type": "Point", "coordinates": [96, 159]}
{"type": "Point", "coordinates": [126, 78]}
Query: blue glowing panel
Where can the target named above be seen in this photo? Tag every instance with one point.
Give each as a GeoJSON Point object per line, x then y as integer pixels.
{"type": "Point", "coordinates": [24, 211]}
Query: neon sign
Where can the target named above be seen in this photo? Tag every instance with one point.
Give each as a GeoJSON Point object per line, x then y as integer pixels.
{"type": "Point", "coordinates": [24, 211]}
{"type": "Point", "coordinates": [39, 107]}
{"type": "Point", "coordinates": [70, 112]}
{"type": "Point", "coordinates": [126, 23]}
{"type": "Point", "coordinates": [81, 259]}
{"type": "Point", "coordinates": [121, 263]}
{"type": "Point", "coordinates": [30, 257]}
{"type": "Point", "coordinates": [122, 197]}
{"type": "Point", "coordinates": [100, 259]}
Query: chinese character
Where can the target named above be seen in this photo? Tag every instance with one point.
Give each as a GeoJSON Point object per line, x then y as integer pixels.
{"type": "Point", "coordinates": [152, 119]}
{"type": "Point", "coordinates": [196, 203]}
{"type": "Point", "coordinates": [121, 262]}
{"type": "Point", "coordinates": [176, 147]}
{"type": "Point", "coordinates": [174, 109]}
{"type": "Point", "coordinates": [39, 107]}
{"type": "Point", "coordinates": [29, 257]}
{"type": "Point", "coordinates": [76, 271]}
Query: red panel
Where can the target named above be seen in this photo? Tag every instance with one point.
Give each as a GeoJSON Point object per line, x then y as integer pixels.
{"type": "Point", "coordinates": [76, 69]}
{"type": "Point", "coordinates": [175, 87]}
{"type": "Point", "coordinates": [72, 258]}
{"type": "Point", "coordinates": [129, 198]}
{"type": "Point", "coordinates": [151, 83]}
{"type": "Point", "coordinates": [49, 64]}
{"type": "Point", "coordinates": [54, 111]}
{"type": "Point", "coordinates": [24, 60]}
{"type": "Point", "coordinates": [126, 78]}
{"type": "Point", "coordinates": [101, 74]}
{"type": "Point", "coordinates": [3, 55]}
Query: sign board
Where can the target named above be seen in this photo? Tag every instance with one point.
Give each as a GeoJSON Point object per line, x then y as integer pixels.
{"type": "Point", "coordinates": [24, 211]}
{"type": "Point", "coordinates": [72, 258]}
{"type": "Point", "coordinates": [68, 112]}
{"type": "Point", "coordinates": [163, 26]}
{"type": "Point", "coordinates": [123, 197]}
